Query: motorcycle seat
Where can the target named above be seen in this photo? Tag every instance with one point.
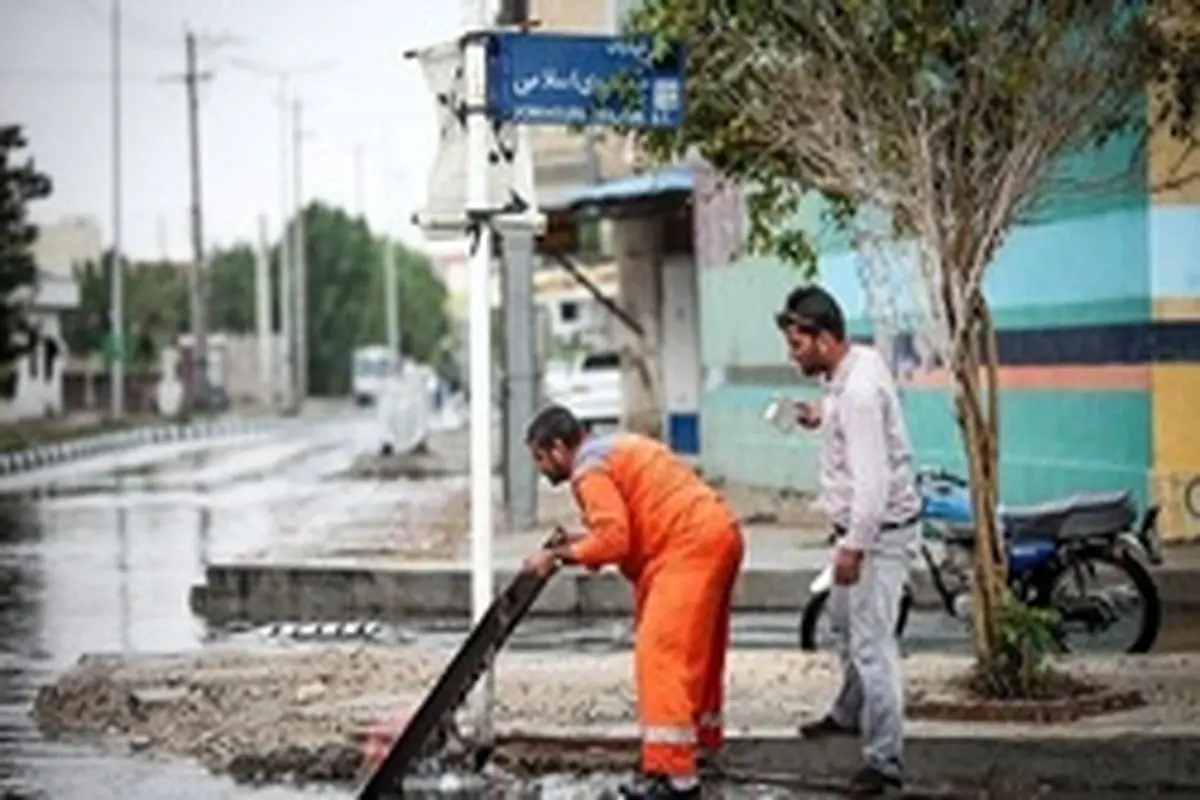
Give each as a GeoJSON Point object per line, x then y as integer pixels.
{"type": "Point", "coordinates": [1080, 516]}
{"type": "Point", "coordinates": [1076, 517]}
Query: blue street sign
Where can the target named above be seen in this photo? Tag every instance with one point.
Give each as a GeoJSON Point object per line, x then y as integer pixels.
{"type": "Point", "coordinates": [557, 79]}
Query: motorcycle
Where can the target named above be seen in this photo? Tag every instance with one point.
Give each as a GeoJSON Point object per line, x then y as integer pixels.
{"type": "Point", "coordinates": [1049, 547]}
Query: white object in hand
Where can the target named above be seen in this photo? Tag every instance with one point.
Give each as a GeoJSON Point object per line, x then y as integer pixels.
{"type": "Point", "coordinates": [782, 414]}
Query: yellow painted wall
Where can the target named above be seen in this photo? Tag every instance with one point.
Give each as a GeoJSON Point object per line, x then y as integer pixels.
{"type": "Point", "coordinates": [1176, 309]}
{"type": "Point", "coordinates": [1176, 402]}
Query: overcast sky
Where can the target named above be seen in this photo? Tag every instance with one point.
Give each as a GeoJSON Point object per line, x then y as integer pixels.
{"type": "Point", "coordinates": [54, 80]}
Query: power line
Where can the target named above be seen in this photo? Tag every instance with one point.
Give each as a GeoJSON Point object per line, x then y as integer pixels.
{"type": "Point", "coordinates": [70, 76]}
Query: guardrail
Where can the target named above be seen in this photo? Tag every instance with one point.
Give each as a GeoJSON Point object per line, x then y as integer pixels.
{"type": "Point", "coordinates": [18, 461]}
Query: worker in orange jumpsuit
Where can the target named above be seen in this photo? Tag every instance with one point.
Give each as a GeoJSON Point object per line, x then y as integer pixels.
{"type": "Point", "coordinates": [647, 512]}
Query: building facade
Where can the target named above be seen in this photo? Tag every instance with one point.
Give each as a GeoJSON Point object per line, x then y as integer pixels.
{"type": "Point", "coordinates": [1098, 309]}
{"type": "Point", "coordinates": [38, 380]}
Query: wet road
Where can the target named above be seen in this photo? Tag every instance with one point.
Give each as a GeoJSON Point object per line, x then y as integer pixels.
{"type": "Point", "coordinates": [86, 569]}
{"type": "Point", "coordinates": [97, 556]}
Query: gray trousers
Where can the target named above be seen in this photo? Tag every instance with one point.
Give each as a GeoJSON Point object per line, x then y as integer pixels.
{"type": "Point", "coordinates": [863, 618]}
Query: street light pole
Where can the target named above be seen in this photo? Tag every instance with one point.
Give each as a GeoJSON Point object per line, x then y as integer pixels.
{"type": "Point", "coordinates": [289, 260]}
{"type": "Point", "coordinates": [286, 262]}
{"type": "Point", "coordinates": [300, 254]}
{"type": "Point", "coordinates": [117, 276]}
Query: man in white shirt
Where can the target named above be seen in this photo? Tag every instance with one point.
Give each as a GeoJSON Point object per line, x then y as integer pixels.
{"type": "Point", "coordinates": [868, 489]}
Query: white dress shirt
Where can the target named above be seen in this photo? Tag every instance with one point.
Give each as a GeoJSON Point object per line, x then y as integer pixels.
{"type": "Point", "coordinates": [866, 459]}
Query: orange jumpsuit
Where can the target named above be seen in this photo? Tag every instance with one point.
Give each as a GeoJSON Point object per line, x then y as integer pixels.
{"type": "Point", "coordinates": [670, 535]}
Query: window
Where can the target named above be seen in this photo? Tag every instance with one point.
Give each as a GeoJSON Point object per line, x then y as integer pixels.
{"type": "Point", "coordinates": [601, 361]}
{"type": "Point", "coordinates": [568, 311]}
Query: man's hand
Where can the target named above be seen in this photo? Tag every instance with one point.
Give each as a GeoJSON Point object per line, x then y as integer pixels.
{"type": "Point", "coordinates": [808, 415]}
{"type": "Point", "coordinates": [542, 563]}
{"type": "Point", "coordinates": [847, 564]}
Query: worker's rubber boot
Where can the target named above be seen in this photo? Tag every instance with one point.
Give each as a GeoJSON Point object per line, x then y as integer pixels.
{"type": "Point", "coordinates": [659, 787]}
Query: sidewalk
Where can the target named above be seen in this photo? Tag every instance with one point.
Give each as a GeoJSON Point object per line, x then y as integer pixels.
{"type": "Point", "coordinates": [575, 711]}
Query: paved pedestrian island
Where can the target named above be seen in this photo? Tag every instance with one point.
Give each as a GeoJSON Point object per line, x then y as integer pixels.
{"type": "Point", "coordinates": [780, 565]}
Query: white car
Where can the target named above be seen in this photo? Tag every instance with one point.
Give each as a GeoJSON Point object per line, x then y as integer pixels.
{"type": "Point", "coordinates": [590, 388]}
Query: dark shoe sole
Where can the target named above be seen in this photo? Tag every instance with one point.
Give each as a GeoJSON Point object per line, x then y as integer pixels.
{"type": "Point", "coordinates": [825, 731]}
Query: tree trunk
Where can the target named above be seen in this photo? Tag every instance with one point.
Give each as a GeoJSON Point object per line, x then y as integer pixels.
{"type": "Point", "coordinates": [977, 406]}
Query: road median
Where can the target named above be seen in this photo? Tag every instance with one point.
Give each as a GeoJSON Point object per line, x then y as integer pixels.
{"type": "Point", "coordinates": [332, 590]}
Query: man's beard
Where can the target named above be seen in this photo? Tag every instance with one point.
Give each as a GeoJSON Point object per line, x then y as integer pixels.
{"type": "Point", "coordinates": [557, 477]}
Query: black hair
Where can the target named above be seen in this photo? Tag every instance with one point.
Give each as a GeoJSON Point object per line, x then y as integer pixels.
{"type": "Point", "coordinates": [812, 310]}
{"type": "Point", "coordinates": [554, 424]}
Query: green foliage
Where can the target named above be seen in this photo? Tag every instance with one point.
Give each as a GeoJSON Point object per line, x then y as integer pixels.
{"type": "Point", "coordinates": [20, 185]}
{"type": "Point", "coordinates": [231, 289]}
{"type": "Point", "coordinates": [346, 305]}
{"type": "Point", "coordinates": [345, 300]}
{"type": "Point", "coordinates": [156, 310]}
{"type": "Point", "coordinates": [1018, 667]}
{"type": "Point", "coordinates": [963, 106]}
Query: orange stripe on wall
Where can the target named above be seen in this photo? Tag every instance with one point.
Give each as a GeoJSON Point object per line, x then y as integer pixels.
{"type": "Point", "coordinates": [1112, 377]}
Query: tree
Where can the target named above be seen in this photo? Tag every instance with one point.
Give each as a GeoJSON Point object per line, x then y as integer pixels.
{"type": "Point", "coordinates": [155, 309]}
{"type": "Point", "coordinates": [940, 122]}
{"type": "Point", "coordinates": [346, 297]}
{"type": "Point", "coordinates": [424, 321]}
{"type": "Point", "coordinates": [231, 289]}
{"type": "Point", "coordinates": [20, 185]}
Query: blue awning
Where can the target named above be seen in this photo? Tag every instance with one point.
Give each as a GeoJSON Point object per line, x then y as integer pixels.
{"type": "Point", "coordinates": [671, 180]}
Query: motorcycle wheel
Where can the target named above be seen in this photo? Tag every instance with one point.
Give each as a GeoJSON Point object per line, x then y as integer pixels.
{"type": "Point", "coordinates": [1138, 575]}
{"type": "Point", "coordinates": [810, 619]}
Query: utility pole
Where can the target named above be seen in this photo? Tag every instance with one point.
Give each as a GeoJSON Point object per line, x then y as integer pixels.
{"type": "Point", "coordinates": [288, 268]}
{"type": "Point", "coordinates": [391, 285]}
{"type": "Point", "coordinates": [262, 316]}
{"type": "Point", "coordinates": [117, 267]}
{"type": "Point", "coordinates": [300, 254]}
{"type": "Point", "coordinates": [520, 332]}
{"type": "Point", "coordinates": [287, 324]}
{"type": "Point", "coordinates": [390, 296]}
{"type": "Point", "coordinates": [198, 283]}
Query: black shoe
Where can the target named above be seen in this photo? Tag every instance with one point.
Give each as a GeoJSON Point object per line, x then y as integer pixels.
{"type": "Point", "coordinates": [870, 782]}
{"type": "Point", "coordinates": [657, 787]}
{"type": "Point", "coordinates": [709, 766]}
{"type": "Point", "coordinates": [825, 727]}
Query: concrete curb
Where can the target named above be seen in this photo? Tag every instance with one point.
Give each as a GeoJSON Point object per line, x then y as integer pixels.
{"type": "Point", "coordinates": [16, 462]}
{"type": "Point", "coordinates": [1021, 759]}
{"type": "Point", "coordinates": [260, 593]}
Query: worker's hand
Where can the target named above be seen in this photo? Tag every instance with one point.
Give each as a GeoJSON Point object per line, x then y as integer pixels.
{"type": "Point", "coordinates": [559, 537]}
{"type": "Point", "coordinates": [542, 563]}
{"type": "Point", "coordinates": [808, 415]}
{"type": "Point", "coordinates": [847, 564]}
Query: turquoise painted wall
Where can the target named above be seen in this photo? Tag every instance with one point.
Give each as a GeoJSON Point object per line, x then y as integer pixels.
{"type": "Point", "coordinates": [1074, 270]}
{"type": "Point", "coordinates": [1052, 443]}
{"type": "Point", "coordinates": [1079, 271]}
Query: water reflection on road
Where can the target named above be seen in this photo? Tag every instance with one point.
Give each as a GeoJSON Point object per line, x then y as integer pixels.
{"type": "Point", "coordinates": [99, 572]}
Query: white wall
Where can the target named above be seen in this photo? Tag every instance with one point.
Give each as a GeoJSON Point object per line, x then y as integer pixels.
{"type": "Point", "coordinates": [37, 394]}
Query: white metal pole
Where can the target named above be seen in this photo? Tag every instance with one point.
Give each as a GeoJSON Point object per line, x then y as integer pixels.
{"type": "Point", "coordinates": [479, 340]}
{"type": "Point", "coordinates": [391, 300]}
{"type": "Point", "coordinates": [286, 382]}
{"type": "Point", "coordinates": [262, 315]}
{"type": "Point", "coordinates": [117, 277]}
{"type": "Point", "coordinates": [300, 277]}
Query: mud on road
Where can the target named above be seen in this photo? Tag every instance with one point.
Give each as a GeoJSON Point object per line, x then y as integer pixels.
{"type": "Point", "coordinates": [301, 713]}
